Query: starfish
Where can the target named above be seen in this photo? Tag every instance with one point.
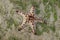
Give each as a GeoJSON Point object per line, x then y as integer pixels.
{"type": "Point", "coordinates": [29, 18]}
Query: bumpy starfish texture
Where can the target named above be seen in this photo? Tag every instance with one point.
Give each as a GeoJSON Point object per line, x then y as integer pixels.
{"type": "Point", "coordinates": [29, 18]}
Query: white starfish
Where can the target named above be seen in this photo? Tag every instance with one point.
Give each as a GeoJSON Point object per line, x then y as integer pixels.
{"type": "Point", "coordinates": [29, 18]}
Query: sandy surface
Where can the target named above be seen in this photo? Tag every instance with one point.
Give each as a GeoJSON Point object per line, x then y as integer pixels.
{"type": "Point", "coordinates": [13, 33]}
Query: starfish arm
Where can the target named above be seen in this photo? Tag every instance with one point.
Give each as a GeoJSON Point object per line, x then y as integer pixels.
{"type": "Point", "coordinates": [24, 18]}
{"type": "Point", "coordinates": [39, 20]}
{"type": "Point", "coordinates": [22, 26]}
{"type": "Point", "coordinates": [32, 25]}
{"type": "Point", "coordinates": [32, 10]}
{"type": "Point", "coordinates": [23, 22]}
